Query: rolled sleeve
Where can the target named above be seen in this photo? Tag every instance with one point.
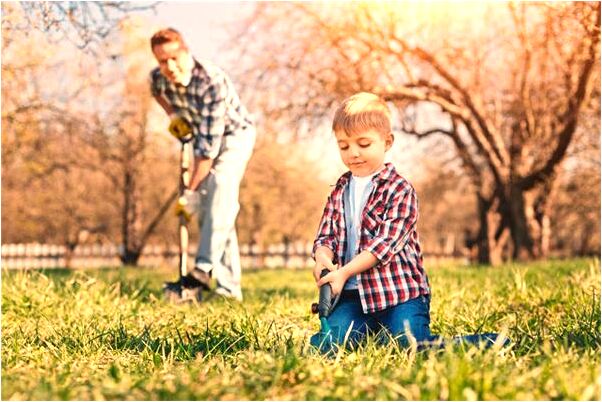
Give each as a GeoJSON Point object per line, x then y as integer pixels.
{"type": "Point", "coordinates": [328, 242]}
{"type": "Point", "coordinates": [394, 232]}
{"type": "Point", "coordinates": [326, 236]}
{"type": "Point", "coordinates": [212, 121]}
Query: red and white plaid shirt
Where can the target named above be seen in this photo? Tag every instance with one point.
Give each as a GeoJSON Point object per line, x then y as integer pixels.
{"type": "Point", "coordinates": [388, 231]}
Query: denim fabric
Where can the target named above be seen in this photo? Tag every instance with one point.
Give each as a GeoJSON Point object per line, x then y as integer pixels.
{"type": "Point", "coordinates": [218, 245]}
{"type": "Point", "coordinates": [405, 322]}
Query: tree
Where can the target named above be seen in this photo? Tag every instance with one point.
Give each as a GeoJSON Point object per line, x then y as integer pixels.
{"type": "Point", "coordinates": [129, 154]}
{"type": "Point", "coordinates": [84, 24]}
{"type": "Point", "coordinates": [43, 198]}
{"type": "Point", "coordinates": [446, 212]}
{"type": "Point", "coordinates": [281, 198]}
{"type": "Point", "coordinates": [509, 84]}
{"type": "Point", "coordinates": [575, 218]}
{"type": "Point", "coordinates": [79, 155]}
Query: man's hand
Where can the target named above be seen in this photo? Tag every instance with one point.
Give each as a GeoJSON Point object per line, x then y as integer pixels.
{"type": "Point", "coordinates": [188, 204]}
{"type": "Point", "coordinates": [179, 128]}
{"type": "Point", "coordinates": [323, 260]}
{"type": "Point", "coordinates": [336, 279]}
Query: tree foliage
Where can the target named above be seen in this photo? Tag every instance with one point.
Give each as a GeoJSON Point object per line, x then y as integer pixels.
{"type": "Point", "coordinates": [282, 196]}
{"type": "Point", "coordinates": [84, 24]}
{"type": "Point", "coordinates": [79, 155]}
{"type": "Point", "coordinates": [511, 83]}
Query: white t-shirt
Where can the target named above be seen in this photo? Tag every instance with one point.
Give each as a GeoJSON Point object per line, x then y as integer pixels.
{"type": "Point", "coordinates": [359, 191]}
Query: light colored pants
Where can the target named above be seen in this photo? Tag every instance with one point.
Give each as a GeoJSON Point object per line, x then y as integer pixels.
{"type": "Point", "coordinates": [218, 245]}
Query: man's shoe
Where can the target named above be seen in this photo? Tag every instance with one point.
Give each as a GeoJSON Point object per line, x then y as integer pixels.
{"type": "Point", "coordinates": [227, 294]}
{"type": "Point", "coordinates": [172, 291]}
{"type": "Point", "coordinates": [176, 293]}
{"type": "Point", "coordinates": [199, 278]}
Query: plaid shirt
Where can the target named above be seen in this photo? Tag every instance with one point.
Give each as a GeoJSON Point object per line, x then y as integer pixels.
{"type": "Point", "coordinates": [388, 231]}
{"type": "Point", "coordinates": [209, 103]}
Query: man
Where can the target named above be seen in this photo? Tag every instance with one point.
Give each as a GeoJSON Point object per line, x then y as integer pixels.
{"type": "Point", "coordinates": [200, 99]}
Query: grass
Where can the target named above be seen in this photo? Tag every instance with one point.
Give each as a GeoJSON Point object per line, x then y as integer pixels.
{"type": "Point", "coordinates": [107, 334]}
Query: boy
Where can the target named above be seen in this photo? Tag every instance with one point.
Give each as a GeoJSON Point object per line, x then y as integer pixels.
{"type": "Point", "coordinates": [367, 237]}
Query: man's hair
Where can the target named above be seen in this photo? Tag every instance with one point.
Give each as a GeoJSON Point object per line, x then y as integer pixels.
{"type": "Point", "coordinates": [167, 35]}
{"type": "Point", "coordinates": [360, 112]}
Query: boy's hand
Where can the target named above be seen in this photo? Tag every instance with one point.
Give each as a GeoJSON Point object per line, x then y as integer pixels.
{"type": "Point", "coordinates": [322, 261]}
{"type": "Point", "coordinates": [336, 279]}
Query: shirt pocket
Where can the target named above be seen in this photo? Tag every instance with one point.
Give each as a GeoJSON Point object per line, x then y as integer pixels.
{"type": "Point", "coordinates": [373, 218]}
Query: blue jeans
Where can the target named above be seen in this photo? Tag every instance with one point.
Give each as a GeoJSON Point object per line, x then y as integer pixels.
{"type": "Point", "coordinates": [218, 244]}
{"type": "Point", "coordinates": [411, 319]}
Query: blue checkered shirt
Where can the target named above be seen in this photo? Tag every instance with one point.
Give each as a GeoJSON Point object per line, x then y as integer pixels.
{"type": "Point", "coordinates": [209, 103]}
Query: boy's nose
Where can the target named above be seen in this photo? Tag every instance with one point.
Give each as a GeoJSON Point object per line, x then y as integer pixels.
{"type": "Point", "coordinates": [171, 65]}
{"type": "Point", "coordinates": [355, 151]}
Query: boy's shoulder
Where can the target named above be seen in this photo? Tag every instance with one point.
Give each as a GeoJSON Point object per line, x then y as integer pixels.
{"type": "Point", "coordinates": [390, 175]}
{"type": "Point", "coordinates": [392, 185]}
{"type": "Point", "coordinates": [342, 181]}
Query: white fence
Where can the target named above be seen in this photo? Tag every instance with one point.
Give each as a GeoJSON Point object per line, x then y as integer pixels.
{"type": "Point", "coordinates": [296, 255]}
{"type": "Point", "coordinates": [34, 255]}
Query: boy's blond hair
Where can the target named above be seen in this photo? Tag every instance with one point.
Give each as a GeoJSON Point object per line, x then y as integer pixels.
{"type": "Point", "coordinates": [360, 112]}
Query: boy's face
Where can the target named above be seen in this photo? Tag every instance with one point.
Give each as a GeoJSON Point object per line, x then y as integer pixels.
{"type": "Point", "coordinates": [175, 62]}
{"type": "Point", "coordinates": [364, 153]}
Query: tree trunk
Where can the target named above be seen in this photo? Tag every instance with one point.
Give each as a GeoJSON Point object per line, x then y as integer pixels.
{"type": "Point", "coordinates": [542, 219]}
{"type": "Point", "coordinates": [522, 224]}
{"type": "Point", "coordinates": [69, 251]}
{"type": "Point", "coordinates": [522, 217]}
{"type": "Point", "coordinates": [287, 245]}
{"type": "Point", "coordinates": [130, 225]}
{"type": "Point", "coordinates": [493, 233]}
{"type": "Point", "coordinates": [130, 257]}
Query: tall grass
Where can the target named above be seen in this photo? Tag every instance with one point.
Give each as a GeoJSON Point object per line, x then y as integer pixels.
{"type": "Point", "coordinates": [107, 334]}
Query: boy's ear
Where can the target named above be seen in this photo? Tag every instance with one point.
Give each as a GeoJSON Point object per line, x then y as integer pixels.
{"type": "Point", "coordinates": [389, 141]}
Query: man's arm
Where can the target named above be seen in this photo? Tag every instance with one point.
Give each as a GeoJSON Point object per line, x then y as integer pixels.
{"type": "Point", "coordinates": [200, 170]}
{"type": "Point", "coordinates": [164, 104]}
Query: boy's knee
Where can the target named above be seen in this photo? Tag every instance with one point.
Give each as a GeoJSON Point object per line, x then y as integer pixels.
{"type": "Point", "coordinates": [410, 333]}
{"type": "Point", "coordinates": [331, 341]}
{"type": "Point", "coordinates": [323, 343]}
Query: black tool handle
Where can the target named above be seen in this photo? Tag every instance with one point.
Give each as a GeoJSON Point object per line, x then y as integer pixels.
{"type": "Point", "coordinates": [325, 301]}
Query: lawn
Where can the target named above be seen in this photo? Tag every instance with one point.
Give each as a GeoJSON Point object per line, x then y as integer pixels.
{"type": "Point", "coordinates": [107, 334]}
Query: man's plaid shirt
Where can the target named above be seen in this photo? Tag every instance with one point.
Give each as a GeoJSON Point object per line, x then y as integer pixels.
{"type": "Point", "coordinates": [209, 103]}
{"type": "Point", "coordinates": [388, 231]}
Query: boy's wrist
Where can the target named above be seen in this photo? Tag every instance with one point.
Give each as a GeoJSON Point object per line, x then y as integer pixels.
{"type": "Point", "coordinates": [322, 253]}
{"type": "Point", "coordinates": [345, 271]}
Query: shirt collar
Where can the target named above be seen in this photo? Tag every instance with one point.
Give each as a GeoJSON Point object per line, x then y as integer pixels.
{"type": "Point", "coordinates": [386, 174]}
{"type": "Point", "coordinates": [198, 70]}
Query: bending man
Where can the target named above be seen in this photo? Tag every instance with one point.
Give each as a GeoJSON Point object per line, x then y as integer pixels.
{"type": "Point", "coordinates": [201, 100]}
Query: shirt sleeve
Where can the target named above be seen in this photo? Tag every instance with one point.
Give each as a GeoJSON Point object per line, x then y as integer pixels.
{"type": "Point", "coordinates": [155, 82]}
{"type": "Point", "coordinates": [393, 233]}
{"type": "Point", "coordinates": [213, 120]}
{"type": "Point", "coordinates": [326, 236]}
